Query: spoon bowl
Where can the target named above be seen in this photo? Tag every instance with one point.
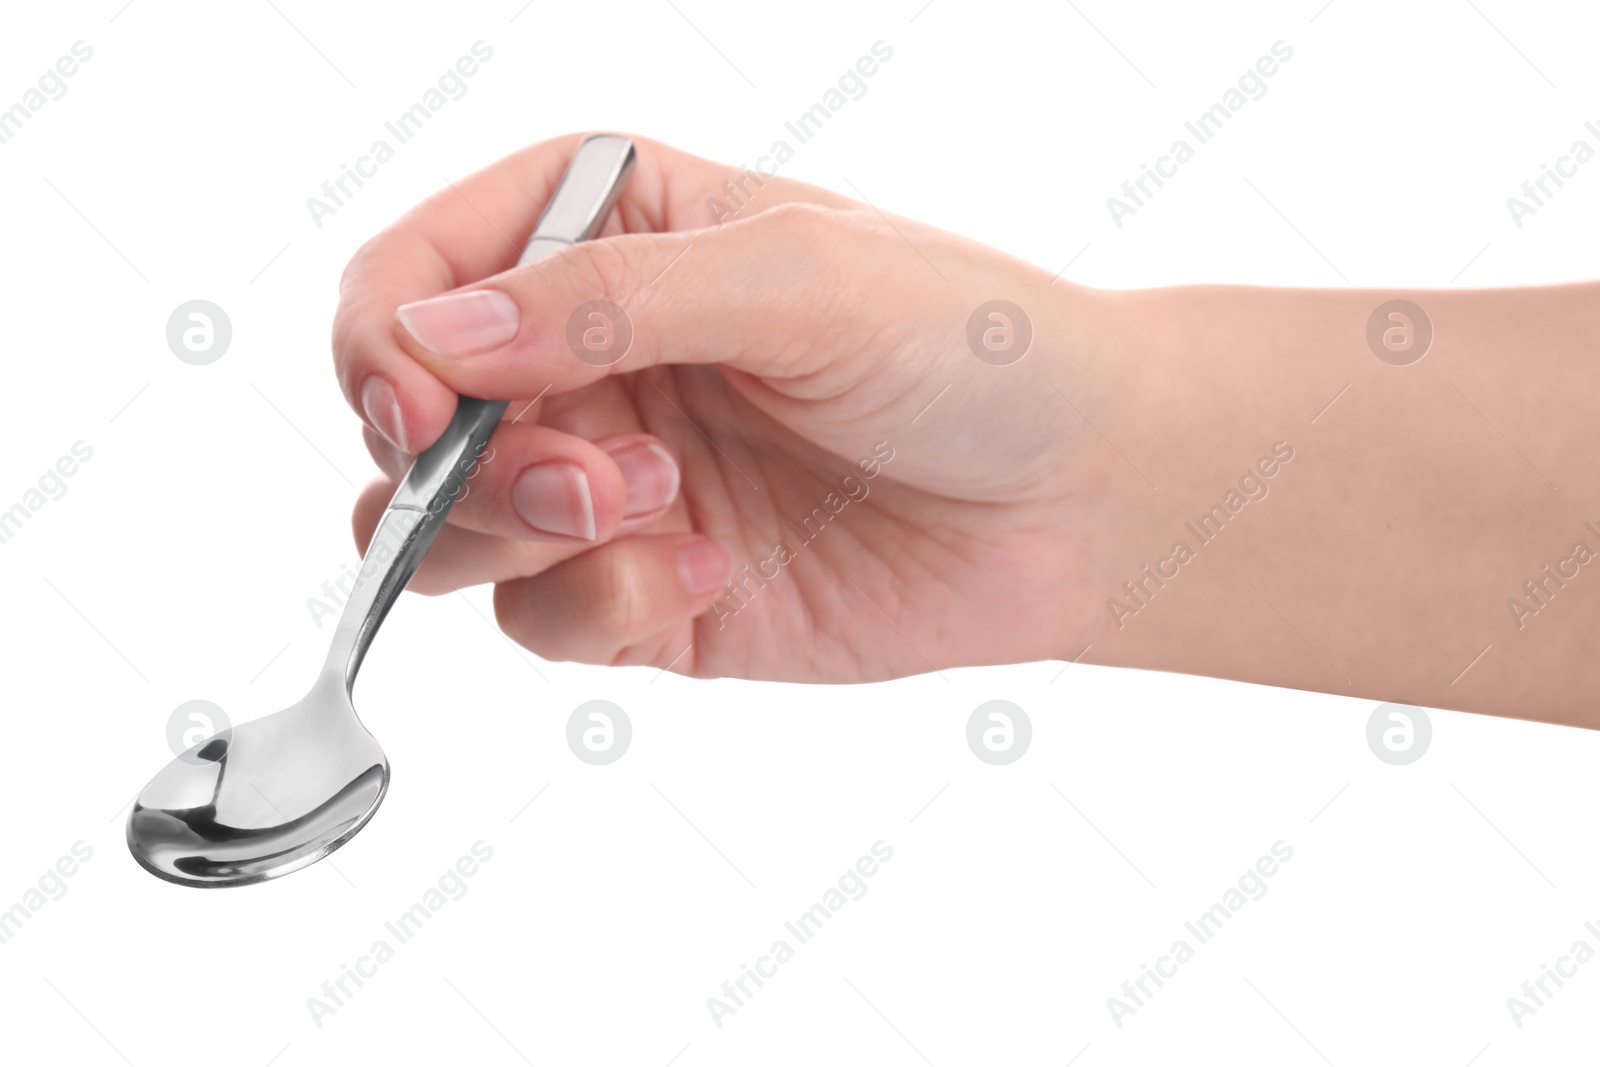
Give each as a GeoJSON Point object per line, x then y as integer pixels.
{"type": "Point", "coordinates": [261, 799]}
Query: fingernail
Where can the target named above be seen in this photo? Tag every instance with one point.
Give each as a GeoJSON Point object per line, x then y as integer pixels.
{"type": "Point", "coordinates": [554, 498]}
{"type": "Point", "coordinates": [703, 566]}
{"type": "Point", "coordinates": [650, 474]}
{"type": "Point", "coordinates": [461, 324]}
{"type": "Point", "coordinates": [382, 408]}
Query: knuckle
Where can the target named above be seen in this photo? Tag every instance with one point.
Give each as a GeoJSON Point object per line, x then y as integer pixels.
{"type": "Point", "coordinates": [802, 222]}
{"type": "Point", "coordinates": [344, 332]}
{"type": "Point", "coordinates": [603, 270]}
{"type": "Point", "coordinates": [511, 613]}
{"type": "Point", "coordinates": [621, 598]}
{"type": "Point", "coordinates": [565, 614]}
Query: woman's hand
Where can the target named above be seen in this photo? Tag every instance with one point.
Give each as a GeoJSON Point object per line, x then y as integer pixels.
{"type": "Point", "coordinates": [827, 454]}
{"type": "Point", "coordinates": [800, 467]}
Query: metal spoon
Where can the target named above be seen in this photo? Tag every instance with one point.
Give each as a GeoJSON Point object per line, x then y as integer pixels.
{"type": "Point", "coordinates": [279, 793]}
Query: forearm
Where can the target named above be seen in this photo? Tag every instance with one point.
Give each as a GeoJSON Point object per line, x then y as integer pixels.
{"type": "Point", "coordinates": [1385, 558]}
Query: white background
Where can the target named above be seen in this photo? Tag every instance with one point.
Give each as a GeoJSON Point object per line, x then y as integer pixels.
{"type": "Point", "coordinates": [1019, 898]}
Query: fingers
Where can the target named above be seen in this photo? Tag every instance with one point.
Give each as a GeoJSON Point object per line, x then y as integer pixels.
{"type": "Point", "coordinates": [595, 411]}
{"type": "Point", "coordinates": [459, 557]}
{"type": "Point", "coordinates": [466, 231]}
{"type": "Point", "coordinates": [766, 295]}
{"type": "Point", "coordinates": [597, 606]}
{"type": "Point", "coordinates": [537, 483]}
{"type": "Point", "coordinates": [566, 601]}
{"type": "Point", "coordinates": [476, 227]}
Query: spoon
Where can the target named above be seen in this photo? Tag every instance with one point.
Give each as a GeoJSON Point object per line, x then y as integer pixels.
{"type": "Point", "coordinates": [279, 793]}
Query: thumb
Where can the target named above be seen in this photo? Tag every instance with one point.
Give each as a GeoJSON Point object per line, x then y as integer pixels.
{"type": "Point", "coordinates": [749, 294]}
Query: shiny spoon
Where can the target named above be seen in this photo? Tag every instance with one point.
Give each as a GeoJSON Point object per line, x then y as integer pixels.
{"type": "Point", "coordinates": [279, 793]}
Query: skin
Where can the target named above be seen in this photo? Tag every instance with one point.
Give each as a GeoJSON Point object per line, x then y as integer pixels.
{"type": "Point", "coordinates": [804, 333]}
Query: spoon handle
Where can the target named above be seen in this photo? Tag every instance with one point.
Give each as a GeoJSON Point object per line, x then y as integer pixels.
{"type": "Point", "coordinates": [439, 476]}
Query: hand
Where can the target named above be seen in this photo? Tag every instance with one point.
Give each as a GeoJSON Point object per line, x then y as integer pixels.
{"type": "Point", "coordinates": [800, 469]}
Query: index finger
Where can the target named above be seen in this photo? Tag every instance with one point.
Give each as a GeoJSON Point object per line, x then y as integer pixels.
{"type": "Point", "coordinates": [470, 230]}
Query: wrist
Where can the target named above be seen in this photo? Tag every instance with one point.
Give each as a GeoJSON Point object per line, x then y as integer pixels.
{"type": "Point", "coordinates": [1381, 560]}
